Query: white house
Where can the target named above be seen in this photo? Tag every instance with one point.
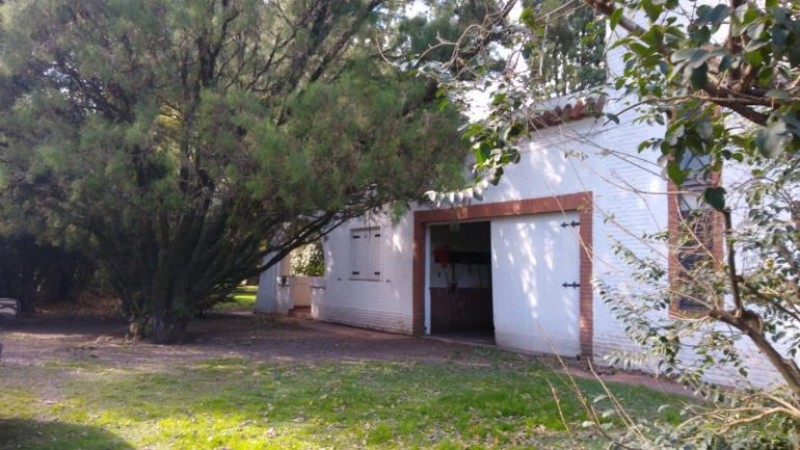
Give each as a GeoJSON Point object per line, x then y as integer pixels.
{"type": "Point", "coordinates": [517, 267]}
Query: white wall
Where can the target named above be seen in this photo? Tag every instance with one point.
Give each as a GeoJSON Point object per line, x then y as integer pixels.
{"type": "Point", "coordinates": [384, 304]}
{"type": "Point", "coordinates": [272, 297]}
{"type": "Point", "coordinates": [598, 161]}
{"type": "Point", "coordinates": [629, 200]}
{"type": "Point", "coordinates": [532, 256]}
{"type": "Point", "coordinates": [629, 196]}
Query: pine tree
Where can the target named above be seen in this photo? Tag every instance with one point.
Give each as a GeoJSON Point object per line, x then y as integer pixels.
{"type": "Point", "coordinates": [190, 138]}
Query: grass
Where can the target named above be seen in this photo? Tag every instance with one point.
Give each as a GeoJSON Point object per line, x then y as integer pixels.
{"type": "Point", "coordinates": [242, 300]}
{"type": "Point", "coordinates": [478, 400]}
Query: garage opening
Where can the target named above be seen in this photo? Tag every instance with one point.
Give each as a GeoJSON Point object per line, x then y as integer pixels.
{"type": "Point", "coordinates": [460, 281]}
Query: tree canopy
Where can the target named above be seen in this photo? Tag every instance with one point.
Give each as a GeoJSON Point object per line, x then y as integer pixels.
{"type": "Point", "coordinates": [185, 140]}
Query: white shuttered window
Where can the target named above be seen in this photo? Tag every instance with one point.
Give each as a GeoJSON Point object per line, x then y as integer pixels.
{"type": "Point", "coordinates": [365, 254]}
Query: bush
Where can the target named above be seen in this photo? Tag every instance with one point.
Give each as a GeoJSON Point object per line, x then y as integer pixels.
{"type": "Point", "coordinates": [308, 261]}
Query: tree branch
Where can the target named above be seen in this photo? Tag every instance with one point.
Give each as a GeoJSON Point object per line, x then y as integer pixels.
{"type": "Point", "coordinates": [720, 96]}
{"type": "Point", "coordinates": [787, 367]}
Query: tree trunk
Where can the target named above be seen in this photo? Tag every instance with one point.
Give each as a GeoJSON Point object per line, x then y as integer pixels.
{"type": "Point", "coordinates": [163, 328]}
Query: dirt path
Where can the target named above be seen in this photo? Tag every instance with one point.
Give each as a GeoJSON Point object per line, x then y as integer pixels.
{"type": "Point", "coordinates": [65, 338]}
{"type": "Point", "coordinates": [60, 338]}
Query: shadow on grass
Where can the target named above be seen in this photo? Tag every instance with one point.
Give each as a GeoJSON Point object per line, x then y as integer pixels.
{"type": "Point", "coordinates": [65, 325]}
{"type": "Point", "coordinates": [41, 435]}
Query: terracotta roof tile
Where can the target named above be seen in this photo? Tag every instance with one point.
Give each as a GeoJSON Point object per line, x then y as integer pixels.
{"type": "Point", "coordinates": [577, 110]}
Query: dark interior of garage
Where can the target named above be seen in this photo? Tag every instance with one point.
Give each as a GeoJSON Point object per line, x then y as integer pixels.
{"type": "Point", "coordinates": [461, 280]}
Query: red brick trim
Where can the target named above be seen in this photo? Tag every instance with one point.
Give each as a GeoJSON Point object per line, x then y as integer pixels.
{"type": "Point", "coordinates": [673, 228]}
{"type": "Point", "coordinates": [580, 202]}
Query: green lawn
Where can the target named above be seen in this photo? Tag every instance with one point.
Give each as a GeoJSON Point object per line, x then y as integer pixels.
{"type": "Point", "coordinates": [469, 402]}
{"type": "Point", "coordinates": [244, 300]}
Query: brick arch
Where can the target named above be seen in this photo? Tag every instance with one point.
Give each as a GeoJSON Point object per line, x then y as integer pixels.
{"type": "Point", "coordinates": [580, 202]}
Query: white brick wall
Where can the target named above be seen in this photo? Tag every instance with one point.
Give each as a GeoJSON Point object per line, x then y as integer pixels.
{"type": "Point", "coordinates": [373, 319]}
{"type": "Point", "coordinates": [630, 199]}
{"type": "Point", "coordinates": [384, 304]}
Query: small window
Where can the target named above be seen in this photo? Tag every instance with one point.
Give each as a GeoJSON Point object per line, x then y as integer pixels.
{"type": "Point", "coordinates": [365, 254]}
{"type": "Point", "coordinates": [695, 234]}
{"type": "Point", "coordinates": [694, 248]}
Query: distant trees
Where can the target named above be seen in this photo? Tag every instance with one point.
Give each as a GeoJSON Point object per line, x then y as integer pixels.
{"type": "Point", "coordinates": [565, 50]}
{"type": "Point", "coordinates": [185, 140]}
{"type": "Point", "coordinates": [32, 272]}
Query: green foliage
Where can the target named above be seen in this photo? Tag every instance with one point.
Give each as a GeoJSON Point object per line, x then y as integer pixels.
{"type": "Point", "coordinates": [687, 345]}
{"type": "Point", "coordinates": [309, 261]}
{"type": "Point", "coordinates": [730, 97]}
{"type": "Point", "coordinates": [685, 69]}
{"type": "Point", "coordinates": [444, 38]}
{"type": "Point", "coordinates": [184, 141]}
{"type": "Point", "coordinates": [723, 80]}
{"type": "Point", "coordinates": [564, 47]}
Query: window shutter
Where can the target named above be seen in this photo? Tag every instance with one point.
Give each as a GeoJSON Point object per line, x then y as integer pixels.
{"type": "Point", "coordinates": [365, 254]}
{"type": "Point", "coordinates": [375, 256]}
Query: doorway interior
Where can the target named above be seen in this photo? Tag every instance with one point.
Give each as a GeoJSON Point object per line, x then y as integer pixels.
{"type": "Point", "coordinates": [460, 281]}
